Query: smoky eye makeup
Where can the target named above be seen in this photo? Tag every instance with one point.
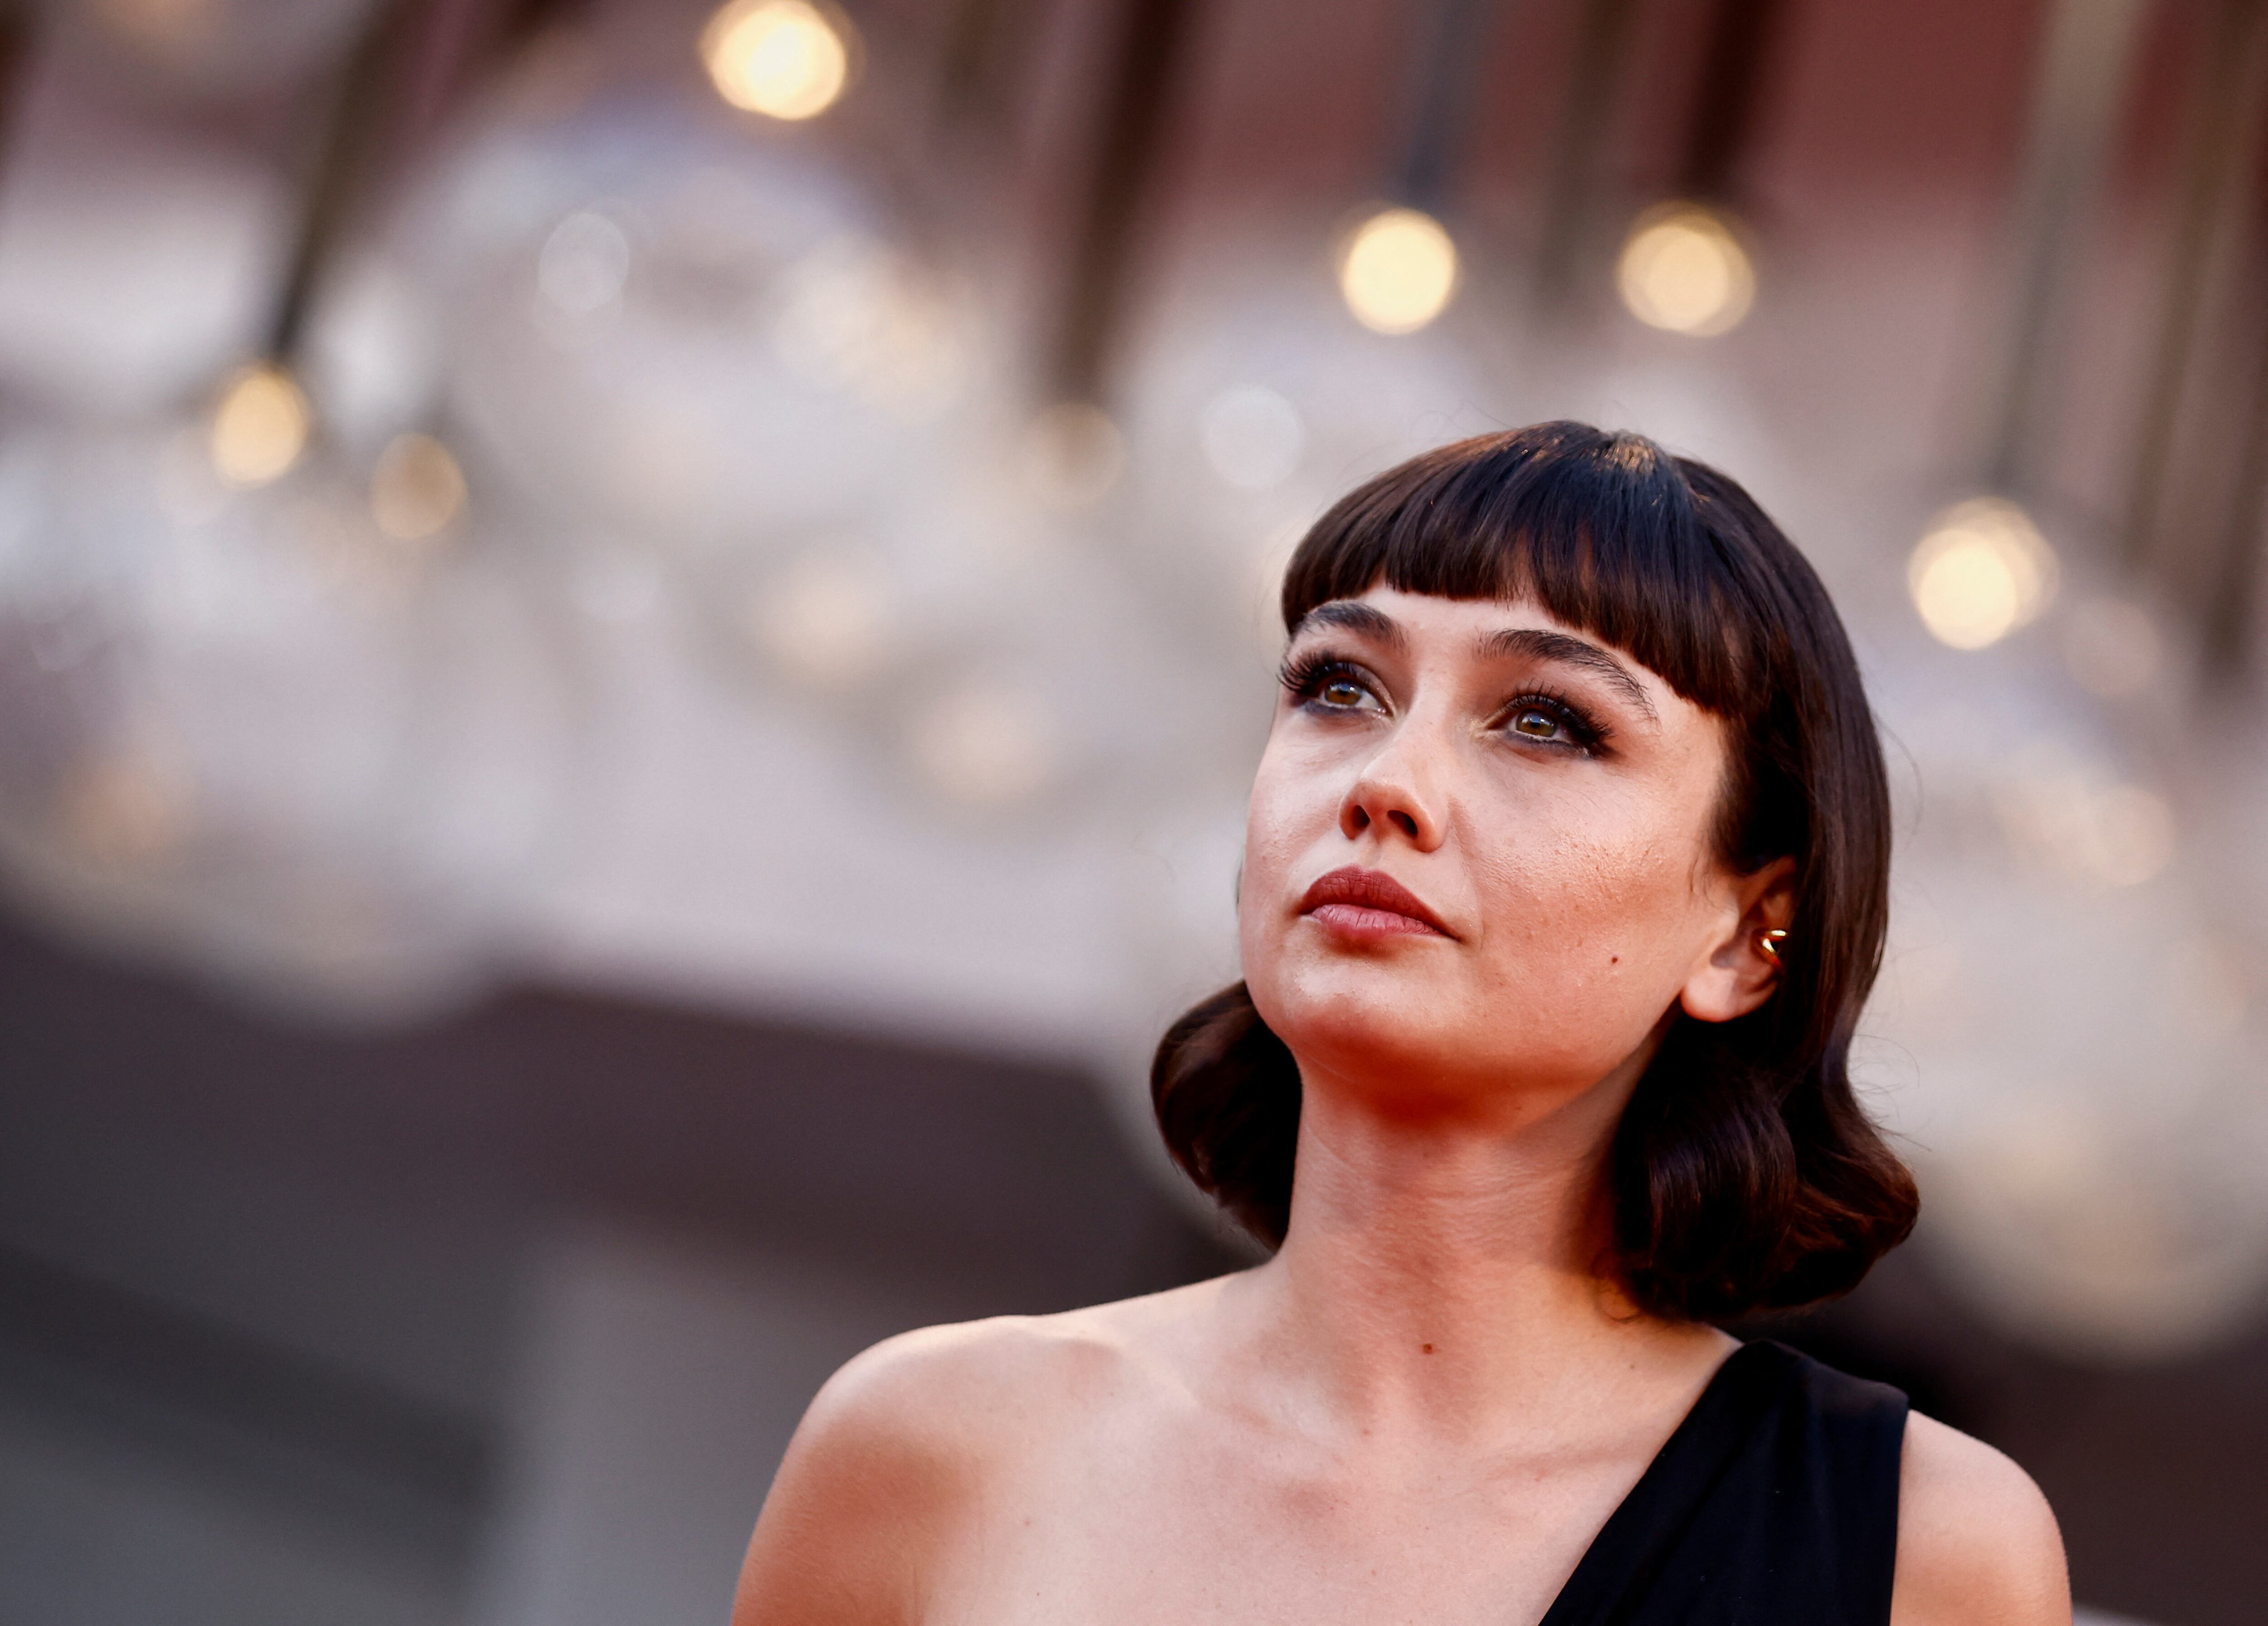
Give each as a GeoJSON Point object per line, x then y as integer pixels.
{"type": "Point", "coordinates": [1556, 721]}
{"type": "Point", "coordinates": [1328, 681]}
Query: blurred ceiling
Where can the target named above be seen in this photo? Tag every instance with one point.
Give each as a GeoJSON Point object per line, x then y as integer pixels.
{"type": "Point", "coordinates": [778, 506]}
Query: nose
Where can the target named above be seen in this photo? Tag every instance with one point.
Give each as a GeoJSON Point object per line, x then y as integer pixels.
{"type": "Point", "coordinates": [1398, 791]}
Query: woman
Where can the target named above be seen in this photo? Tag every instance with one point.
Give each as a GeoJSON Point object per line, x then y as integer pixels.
{"type": "Point", "coordinates": [1564, 882]}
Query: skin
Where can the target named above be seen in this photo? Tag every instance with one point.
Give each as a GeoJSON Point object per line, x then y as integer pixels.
{"type": "Point", "coordinates": [1424, 1405]}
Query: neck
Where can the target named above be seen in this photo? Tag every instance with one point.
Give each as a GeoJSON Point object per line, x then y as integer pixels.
{"type": "Point", "coordinates": [1444, 1273]}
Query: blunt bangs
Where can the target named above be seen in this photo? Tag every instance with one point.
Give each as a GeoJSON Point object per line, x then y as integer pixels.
{"type": "Point", "coordinates": [1600, 529]}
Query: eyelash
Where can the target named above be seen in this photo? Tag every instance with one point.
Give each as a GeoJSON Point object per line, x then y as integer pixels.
{"type": "Point", "coordinates": [1588, 734]}
{"type": "Point", "coordinates": [1303, 677]}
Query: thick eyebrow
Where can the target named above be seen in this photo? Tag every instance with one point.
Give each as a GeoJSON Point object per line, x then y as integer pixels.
{"type": "Point", "coordinates": [1538, 644]}
{"type": "Point", "coordinates": [1353, 617]}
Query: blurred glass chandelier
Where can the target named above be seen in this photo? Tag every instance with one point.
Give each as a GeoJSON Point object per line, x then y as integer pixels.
{"type": "Point", "coordinates": [2070, 1020]}
{"type": "Point", "coordinates": [693, 341]}
{"type": "Point", "coordinates": [256, 731]}
{"type": "Point", "coordinates": [1983, 571]}
{"type": "Point", "coordinates": [273, 710]}
{"type": "Point", "coordinates": [1398, 265]}
{"type": "Point", "coordinates": [1685, 265]}
{"type": "Point", "coordinates": [1251, 409]}
{"type": "Point", "coordinates": [706, 348]}
{"type": "Point", "coordinates": [2075, 977]}
{"type": "Point", "coordinates": [207, 48]}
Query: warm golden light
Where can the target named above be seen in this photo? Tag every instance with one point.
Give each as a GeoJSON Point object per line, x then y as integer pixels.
{"type": "Point", "coordinates": [1398, 270]}
{"type": "Point", "coordinates": [418, 489]}
{"type": "Point", "coordinates": [984, 745]}
{"type": "Point", "coordinates": [1982, 571]}
{"type": "Point", "coordinates": [120, 809]}
{"type": "Point", "coordinates": [1683, 270]}
{"type": "Point", "coordinates": [175, 28]}
{"type": "Point", "coordinates": [827, 619]}
{"type": "Point", "coordinates": [260, 427]}
{"type": "Point", "coordinates": [785, 58]}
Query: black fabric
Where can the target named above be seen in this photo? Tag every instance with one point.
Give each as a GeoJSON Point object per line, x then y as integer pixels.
{"type": "Point", "coordinates": [1776, 1501]}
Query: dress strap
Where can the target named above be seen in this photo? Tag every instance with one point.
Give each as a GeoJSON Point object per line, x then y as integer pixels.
{"type": "Point", "coordinates": [1776, 1500]}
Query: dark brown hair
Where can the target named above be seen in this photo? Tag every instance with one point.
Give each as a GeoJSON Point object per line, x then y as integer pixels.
{"type": "Point", "coordinates": [1744, 1175]}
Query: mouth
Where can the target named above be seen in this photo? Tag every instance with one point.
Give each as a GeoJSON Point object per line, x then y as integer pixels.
{"type": "Point", "coordinates": [1369, 903]}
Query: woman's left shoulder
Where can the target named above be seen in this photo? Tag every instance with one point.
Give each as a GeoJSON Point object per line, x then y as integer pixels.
{"type": "Point", "coordinates": [1977, 1542]}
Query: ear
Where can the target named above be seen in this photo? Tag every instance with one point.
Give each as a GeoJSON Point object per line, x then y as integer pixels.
{"type": "Point", "coordinates": [1734, 975]}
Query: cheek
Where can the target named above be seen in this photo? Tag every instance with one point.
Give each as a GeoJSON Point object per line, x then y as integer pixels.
{"type": "Point", "coordinates": [1581, 882]}
{"type": "Point", "coordinates": [1279, 824]}
{"type": "Point", "coordinates": [1591, 931]}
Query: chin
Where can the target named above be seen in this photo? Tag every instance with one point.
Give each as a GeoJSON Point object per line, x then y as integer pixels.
{"type": "Point", "coordinates": [1398, 1029]}
{"type": "Point", "coordinates": [1362, 1016]}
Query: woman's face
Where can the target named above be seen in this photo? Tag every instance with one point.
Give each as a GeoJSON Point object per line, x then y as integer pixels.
{"type": "Point", "coordinates": [1478, 868]}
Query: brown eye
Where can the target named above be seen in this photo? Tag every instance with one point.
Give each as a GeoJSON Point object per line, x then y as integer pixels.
{"type": "Point", "coordinates": [1341, 692]}
{"type": "Point", "coordinates": [1535, 724]}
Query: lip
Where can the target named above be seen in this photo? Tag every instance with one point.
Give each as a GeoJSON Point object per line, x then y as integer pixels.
{"type": "Point", "coordinates": [1369, 903]}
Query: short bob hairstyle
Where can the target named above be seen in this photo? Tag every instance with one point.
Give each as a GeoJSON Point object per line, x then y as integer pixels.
{"type": "Point", "coordinates": [1744, 1175]}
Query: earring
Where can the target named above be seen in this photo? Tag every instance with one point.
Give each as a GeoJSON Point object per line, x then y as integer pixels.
{"type": "Point", "coordinates": [1769, 942]}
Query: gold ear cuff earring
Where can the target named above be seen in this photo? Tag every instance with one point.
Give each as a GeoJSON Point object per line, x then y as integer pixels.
{"type": "Point", "coordinates": [1769, 942]}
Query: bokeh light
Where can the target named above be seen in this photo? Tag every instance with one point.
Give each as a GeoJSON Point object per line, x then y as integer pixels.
{"type": "Point", "coordinates": [417, 491]}
{"type": "Point", "coordinates": [1252, 437]}
{"type": "Point", "coordinates": [698, 336]}
{"type": "Point", "coordinates": [118, 808]}
{"type": "Point", "coordinates": [583, 265]}
{"type": "Point", "coordinates": [984, 745]}
{"type": "Point", "coordinates": [218, 48]}
{"type": "Point", "coordinates": [1398, 270]}
{"type": "Point", "coordinates": [260, 427]}
{"type": "Point", "coordinates": [168, 29]}
{"type": "Point", "coordinates": [1981, 571]}
{"type": "Point", "coordinates": [825, 620]}
{"type": "Point", "coordinates": [1683, 270]}
{"type": "Point", "coordinates": [856, 315]}
{"type": "Point", "coordinates": [784, 58]}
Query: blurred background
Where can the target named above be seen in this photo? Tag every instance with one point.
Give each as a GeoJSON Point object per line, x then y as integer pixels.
{"type": "Point", "coordinates": [631, 639]}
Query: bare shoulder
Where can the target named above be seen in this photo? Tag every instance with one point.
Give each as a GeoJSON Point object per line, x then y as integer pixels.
{"type": "Point", "coordinates": [973, 1388]}
{"type": "Point", "coordinates": [1977, 1540]}
{"type": "Point", "coordinates": [896, 1454]}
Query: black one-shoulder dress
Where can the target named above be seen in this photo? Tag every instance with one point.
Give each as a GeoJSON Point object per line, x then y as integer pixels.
{"type": "Point", "coordinates": [1774, 1504]}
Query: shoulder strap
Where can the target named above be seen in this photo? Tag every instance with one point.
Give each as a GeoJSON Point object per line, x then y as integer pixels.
{"type": "Point", "coordinates": [1627, 1556]}
{"type": "Point", "coordinates": [1775, 1500]}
